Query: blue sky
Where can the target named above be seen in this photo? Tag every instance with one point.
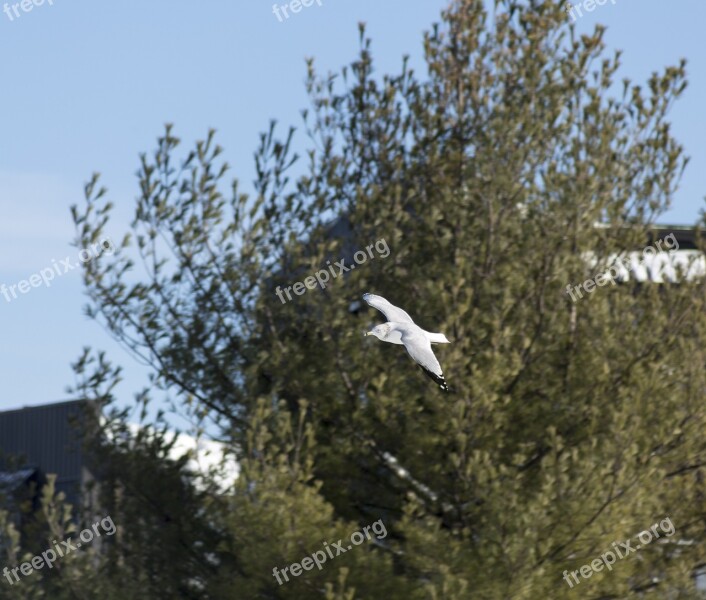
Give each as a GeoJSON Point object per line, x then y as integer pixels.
{"type": "Point", "coordinates": [87, 86]}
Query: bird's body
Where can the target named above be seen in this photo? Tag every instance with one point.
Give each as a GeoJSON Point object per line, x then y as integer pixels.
{"type": "Point", "coordinates": [401, 329]}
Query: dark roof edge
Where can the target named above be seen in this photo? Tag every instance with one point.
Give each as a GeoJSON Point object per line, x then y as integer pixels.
{"type": "Point", "coordinates": [46, 405]}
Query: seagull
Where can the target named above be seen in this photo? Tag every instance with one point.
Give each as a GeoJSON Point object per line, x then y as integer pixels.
{"type": "Point", "coordinates": [400, 329]}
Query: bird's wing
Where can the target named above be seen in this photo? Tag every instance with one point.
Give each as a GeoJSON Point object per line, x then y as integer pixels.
{"type": "Point", "coordinates": [419, 348]}
{"type": "Point", "coordinates": [392, 313]}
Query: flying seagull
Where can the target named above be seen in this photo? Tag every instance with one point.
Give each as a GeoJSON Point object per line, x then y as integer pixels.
{"type": "Point", "coordinates": [400, 329]}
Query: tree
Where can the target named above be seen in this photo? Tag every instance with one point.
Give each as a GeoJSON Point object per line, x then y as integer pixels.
{"type": "Point", "coordinates": [574, 424]}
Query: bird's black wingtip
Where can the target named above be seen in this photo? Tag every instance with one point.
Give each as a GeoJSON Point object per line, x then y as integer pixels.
{"type": "Point", "coordinates": [445, 387]}
{"type": "Point", "coordinates": [439, 379]}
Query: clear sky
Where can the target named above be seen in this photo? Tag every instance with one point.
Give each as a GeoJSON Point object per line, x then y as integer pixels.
{"type": "Point", "coordinates": [87, 86]}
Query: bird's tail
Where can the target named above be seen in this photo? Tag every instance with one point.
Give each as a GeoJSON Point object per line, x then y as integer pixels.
{"type": "Point", "coordinates": [437, 338]}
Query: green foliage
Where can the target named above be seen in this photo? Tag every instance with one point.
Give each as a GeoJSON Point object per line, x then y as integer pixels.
{"type": "Point", "coordinates": [574, 425]}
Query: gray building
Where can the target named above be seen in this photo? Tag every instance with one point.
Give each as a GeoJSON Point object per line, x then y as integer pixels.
{"type": "Point", "coordinates": [37, 441]}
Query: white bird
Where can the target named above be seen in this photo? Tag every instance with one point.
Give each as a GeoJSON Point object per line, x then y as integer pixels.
{"type": "Point", "coordinates": [400, 329]}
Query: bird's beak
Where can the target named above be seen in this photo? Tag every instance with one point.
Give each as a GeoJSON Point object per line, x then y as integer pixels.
{"type": "Point", "coordinates": [366, 334]}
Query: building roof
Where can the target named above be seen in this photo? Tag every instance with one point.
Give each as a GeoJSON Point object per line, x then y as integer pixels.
{"type": "Point", "coordinates": [46, 437]}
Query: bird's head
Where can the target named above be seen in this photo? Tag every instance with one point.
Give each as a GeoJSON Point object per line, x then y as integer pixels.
{"type": "Point", "coordinates": [379, 331]}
